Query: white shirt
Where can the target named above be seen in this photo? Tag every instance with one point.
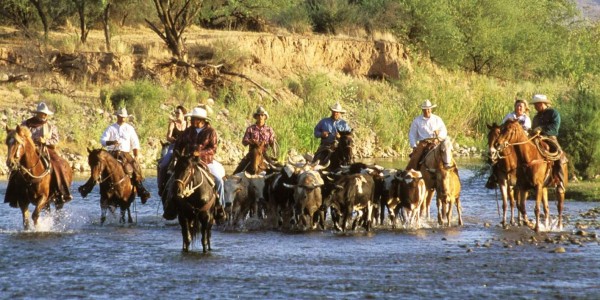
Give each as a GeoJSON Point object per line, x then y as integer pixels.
{"type": "Point", "coordinates": [423, 128]}
{"type": "Point", "coordinates": [125, 134]}
{"type": "Point", "coordinates": [524, 120]}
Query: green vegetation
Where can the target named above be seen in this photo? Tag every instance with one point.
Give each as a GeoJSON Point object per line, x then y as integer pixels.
{"type": "Point", "coordinates": [470, 57]}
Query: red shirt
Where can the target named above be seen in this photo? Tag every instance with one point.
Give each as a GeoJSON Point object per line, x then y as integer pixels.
{"type": "Point", "coordinates": [205, 142]}
{"type": "Point", "coordinates": [257, 134]}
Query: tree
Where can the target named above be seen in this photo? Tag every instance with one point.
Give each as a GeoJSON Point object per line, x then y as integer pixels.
{"type": "Point", "coordinates": [18, 13]}
{"type": "Point", "coordinates": [40, 10]}
{"type": "Point", "coordinates": [174, 16]}
{"type": "Point", "coordinates": [89, 11]}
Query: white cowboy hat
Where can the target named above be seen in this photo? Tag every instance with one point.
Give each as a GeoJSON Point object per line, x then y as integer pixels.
{"type": "Point", "coordinates": [200, 113]}
{"type": "Point", "coordinates": [337, 107]}
{"type": "Point", "coordinates": [260, 111]}
{"type": "Point", "coordinates": [427, 104]}
{"type": "Point", "coordinates": [43, 108]}
{"type": "Point", "coordinates": [540, 98]}
{"type": "Point", "coordinates": [122, 112]}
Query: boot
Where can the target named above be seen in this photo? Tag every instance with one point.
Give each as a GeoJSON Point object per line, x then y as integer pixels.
{"type": "Point", "coordinates": [220, 216]}
{"type": "Point", "coordinates": [170, 211]}
{"type": "Point", "coordinates": [142, 192]}
{"type": "Point", "coordinates": [491, 182]}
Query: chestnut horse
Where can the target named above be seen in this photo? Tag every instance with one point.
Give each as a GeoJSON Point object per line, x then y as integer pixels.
{"type": "Point", "coordinates": [30, 177]}
{"type": "Point", "coordinates": [116, 188]}
{"type": "Point", "coordinates": [534, 171]}
{"type": "Point", "coordinates": [191, 189]}
{"type": "Point", "coordinates": [254, 162]}
{"type": "Point", "coordinates": [504, 168]}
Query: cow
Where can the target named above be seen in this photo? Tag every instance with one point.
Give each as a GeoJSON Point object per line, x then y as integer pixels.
{"type": "Point", "coordinates": [280, 199]}
{"type": "Point", "coordinates": [352, 193]}
{"type": "Point", "coordinates": [246, 192]}
{"type": "Point", "coordinates": [448, 191]}
{"type": "Point", "coordinates": [307, 197]}
{"type": "Point", "coordinates": [412, 193]}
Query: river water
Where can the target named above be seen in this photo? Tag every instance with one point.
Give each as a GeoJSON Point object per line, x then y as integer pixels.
{"type": "Point", "coordinates": [74, 257]}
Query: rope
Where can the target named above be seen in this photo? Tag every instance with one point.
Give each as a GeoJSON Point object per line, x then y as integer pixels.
{"type": "Point", "coordinates": [545, 153]}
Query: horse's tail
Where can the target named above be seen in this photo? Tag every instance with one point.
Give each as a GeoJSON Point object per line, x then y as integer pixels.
{"type": "Point", "coordinates": [195, 227]}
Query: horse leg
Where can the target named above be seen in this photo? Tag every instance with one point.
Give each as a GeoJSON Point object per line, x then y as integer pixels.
{"type": "Point", "coordinates": [26, 215]}
{"type": "Point", "coordinates": [546, 208]}
{"type": "Point", "coordinates": [538, 201]}
{"type": "Point", "coordinates": [122, 218]}
{"type": "Point", "coordinates": [129, 218]}
{"type": "Point", "coordinates": [560, 199]}
{"type": "Point", "coordinates": [440, 210]}
{"type": "Point", "coordinates": [204, 226]}
{"type": "Point", "coordinates": [448, 208]}
{"type": "Point", "coordinates": [504, 191]}
{"type": "Point", "coordinates": [522, 202]}
{"type": "Point", "coordinates": [185, 233]}
{"type": "Point", "coordinates": [425, 209]}
{"type": "Point", "coordinates": [38, 209]}
{"type": "Point", "coordinates": [510, 192]}
{"type": "Point", "coordinates": [459, 211]}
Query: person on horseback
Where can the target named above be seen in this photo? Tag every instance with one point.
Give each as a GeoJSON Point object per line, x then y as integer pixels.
{"type": "Point", "coordinates": [520, 113]}
{"type": "Point", "coordinates": [547, 123]}
{"type": "Point", "coordinates": [328, 130]}
{"type": "Point", "coordinates": [200, 139]}
{"type": "Point", "coordinates": [45, 136]}
{"type": "Point", "coordinates": [176, 127]}
{"type": "Point", "coordinates": [425, 130]}
{"type": "Point", "coordinates": [121, 140]}
{"type": "Point", "coordinates": [257, 135]}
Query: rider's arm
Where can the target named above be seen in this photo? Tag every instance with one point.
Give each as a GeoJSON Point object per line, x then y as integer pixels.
{"type": "Point", "coordinates": [248, 140]}
{"type": "Point", "coordinates": [105, 139]}
{"type": "Point", "coordinates": [53, 139]}
{"type": "Point", "coordinates": [319, 129]}
{"type": "Point", "coordinates": [443, 133]}
{"type": "Point", "coordinates": [170, 137]}
{"type": "Point", "coordinates": [412, 134]}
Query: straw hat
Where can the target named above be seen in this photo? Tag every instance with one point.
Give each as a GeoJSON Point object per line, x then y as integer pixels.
{"type": "Point", "coordinates": [200, 113]}
{"type": "Point", "coordinates": [540, 98]}
{"type": "Point", "coordinates": [122, 112]}
{"type": "Point", "coordinates": [260, 111]}
{"type": "Point", "coordinates": [337, 107]}
{"type": "Point", "coordinates": [427, 104]}
{"type": "Point", "coordinates": [43, 108]}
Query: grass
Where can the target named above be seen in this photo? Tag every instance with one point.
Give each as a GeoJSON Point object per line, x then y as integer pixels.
{"type": "Point", "coordinates": [588, 190]}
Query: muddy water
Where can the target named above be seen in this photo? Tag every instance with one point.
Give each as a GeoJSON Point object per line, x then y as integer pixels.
{"type": "Point", "coordinates": [74, 257]}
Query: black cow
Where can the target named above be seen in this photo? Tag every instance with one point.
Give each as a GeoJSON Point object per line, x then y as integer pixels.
{"type": "Point", "coordinates": [352, 193]}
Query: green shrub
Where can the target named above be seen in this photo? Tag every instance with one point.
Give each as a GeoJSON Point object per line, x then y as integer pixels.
{"type": "Point", "coordinates": [579, 135]}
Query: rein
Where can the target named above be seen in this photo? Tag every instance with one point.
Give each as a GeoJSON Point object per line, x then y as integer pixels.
{"type": "Point", "coordinates": [28, 172]}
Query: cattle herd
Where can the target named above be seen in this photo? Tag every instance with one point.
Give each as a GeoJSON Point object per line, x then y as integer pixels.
{"type": "Point", "coordinates": [299, 194]}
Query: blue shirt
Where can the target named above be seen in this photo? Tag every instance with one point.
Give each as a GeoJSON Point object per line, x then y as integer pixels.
{"type": "Point", "coordinates": [331, 126]}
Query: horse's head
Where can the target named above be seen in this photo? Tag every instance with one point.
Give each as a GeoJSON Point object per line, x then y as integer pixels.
{"type": "Point", "coordinates": [18, 142]}
{"type": "Point", "coordinates": [446, 151]}
{"type": "Point", "coordinates": [190, 176]}
{"type": "Point", "coordinates": [258, 163]}
{"type": "Point", "coordinates": [510, 132]}
{"type": "Point", "coordinates": [492, 136]}
{"type": "Point", "coordinates": [344, 149]}
{"type": "Point", "coordinates": [97, 160]}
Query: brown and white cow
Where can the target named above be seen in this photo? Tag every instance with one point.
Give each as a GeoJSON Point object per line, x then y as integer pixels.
{"type": "Point", "coordinates": [412, 193]}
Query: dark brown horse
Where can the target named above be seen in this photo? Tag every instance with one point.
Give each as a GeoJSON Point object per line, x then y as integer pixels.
{"type": "Point", "coordinates": [30, 177]}
{"type": "Point", "coordinates": [504, 168]}
{"type": "Point", "coordinates": [191, 189]}
{"type": "Point", "coordinates": [339, 154]}
{"type": "Point", "coordinates": [534, 171]}
{"type": "Point", "coordinates": [116, 189]}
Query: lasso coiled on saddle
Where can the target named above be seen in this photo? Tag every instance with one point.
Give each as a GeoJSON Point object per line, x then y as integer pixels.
{"type": "Point", "coordinates": [547, 154]}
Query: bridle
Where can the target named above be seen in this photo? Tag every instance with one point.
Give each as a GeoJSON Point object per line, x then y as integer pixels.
{"type": "Point", "coordinates": [186, 185]}
{"type": "Point", "coordinates": [15, 162]}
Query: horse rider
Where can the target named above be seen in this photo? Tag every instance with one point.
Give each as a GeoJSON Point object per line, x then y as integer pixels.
{"type": "Point", "coordinates": [424, 130]}
{"type": "Point", "coordinates": [520, 113]}
{"type": "Point", "coordinates": [256, 135]}
{"type": "Point", "coordinates": [121, 140]}
{"type": "Point", "coordinates": [328, 130]}
{"type": "Point", "coordinates": [201, 139]}
{"type": "Point", "coordinates": [45, 136]}
{"type": "Point", "coordinates": [176, 127]}
{"type": "Point", "coordinates": [547, 123]}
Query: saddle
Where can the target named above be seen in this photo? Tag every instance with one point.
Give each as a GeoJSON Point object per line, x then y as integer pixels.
{"type": "Point", "coordinates": [122, 159]}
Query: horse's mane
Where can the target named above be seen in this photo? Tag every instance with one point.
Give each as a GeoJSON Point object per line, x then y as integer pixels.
{"type": "Point", "coordinates": [96, 155]}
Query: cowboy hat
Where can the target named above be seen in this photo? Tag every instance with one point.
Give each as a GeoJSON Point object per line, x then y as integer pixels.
{"type": "Point", "coordinates": [260, 111]}
{"type": "Point", "coordinates": [540, 98]}
{"type": "Point", "coordinates": [43, 108]}
{"type": "Point", "coordinates": [427, 104]}
{"type": "Point", "coordinates": [199, 112]}
{"type": "Point", "coordinates": [122, 112]}
{"type": "Point", "coordinates": [337, 107]}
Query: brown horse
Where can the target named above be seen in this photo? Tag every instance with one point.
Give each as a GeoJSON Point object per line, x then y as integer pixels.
{"type": "Point", "coordinates": [504, 168]}
{"type": "Point", "coordinates": [30, 177]}
{"type": "Point", "coordinates": [191, 190]}
{"type": "Point", "coordinates": [116, 189]}
{"type": "Point", "coordinates": [433, 162]}
{"type": "Point", "coordinates": [255, 161]}
{"type": "Point", "coordinates": [534, 171]}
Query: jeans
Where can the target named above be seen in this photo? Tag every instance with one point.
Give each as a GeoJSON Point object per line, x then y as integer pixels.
{"type": "Point", "coordinates": [216, 168]}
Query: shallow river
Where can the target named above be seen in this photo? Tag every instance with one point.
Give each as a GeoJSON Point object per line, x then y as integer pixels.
{"type": "Point", "coordinates": [75, 257]}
